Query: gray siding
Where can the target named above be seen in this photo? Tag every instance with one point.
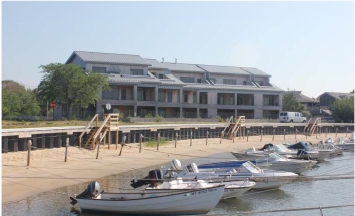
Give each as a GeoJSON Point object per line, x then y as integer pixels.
{"type": "Point", "coordinates": [122, 69]}
{"type": "Point", "coordinates": [78, 61]}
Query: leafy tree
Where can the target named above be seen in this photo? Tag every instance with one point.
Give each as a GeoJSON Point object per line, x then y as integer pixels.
{"type": "Point", "coordinates": [29, 104]}
{"type": "Point", "coordinates": [343, 110]}
{"type": "Point", "coordinates": [290, 103]}
{"type": "Point", "coordinates": [16, 100]}
{"type": "Point", "coordinates": [69, 85]}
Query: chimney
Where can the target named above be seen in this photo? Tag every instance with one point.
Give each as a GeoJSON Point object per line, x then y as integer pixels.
{"type": "Point", "coordinates": [162, 60]}
{"type": "Point", "coordinates": [175, 60]}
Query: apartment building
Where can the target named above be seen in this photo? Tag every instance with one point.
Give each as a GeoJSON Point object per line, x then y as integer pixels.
{"type": "Point", "coordinates": [143, 86]}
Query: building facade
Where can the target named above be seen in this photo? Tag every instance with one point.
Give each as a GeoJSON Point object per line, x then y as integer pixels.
{"type": "Point", "coordinates": [327, 98]}
{"type": "Point", "coordinates": [142, 86]}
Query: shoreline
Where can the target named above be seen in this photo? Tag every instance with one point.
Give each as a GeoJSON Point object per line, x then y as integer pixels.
{"type": "Point", "coordinates": [48, 171]}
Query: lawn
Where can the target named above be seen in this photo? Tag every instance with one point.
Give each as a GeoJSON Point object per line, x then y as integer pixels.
{"type": "Point", "coordinates": [7, 124]}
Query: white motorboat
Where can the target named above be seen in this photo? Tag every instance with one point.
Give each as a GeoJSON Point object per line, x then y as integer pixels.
{"type": "Point", "coordinates": [347, 144]}
{"type": "Point", "coordinates": [250, 154]}
{"type": "Point", "coordinates": [232, 189]}
{"type": "Point", "coordinates": [282, 149]}
{"type": "Point", "coordinates": [264, 179]}
{"type": "Point", "coordinates": [272, 161]}
{"type": "Point", "coordinates": [149, 202]}
{"type": "Point", "coordinates": [328, 144]}
{"type": "Point", "coordinates": [322, 153]}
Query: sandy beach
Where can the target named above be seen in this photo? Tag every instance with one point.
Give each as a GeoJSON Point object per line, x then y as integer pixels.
{"type": "Point", "coordinates": [48, 171]}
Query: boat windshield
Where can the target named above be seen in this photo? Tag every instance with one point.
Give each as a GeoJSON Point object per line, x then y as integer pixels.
{"type": "Point", "coordinates": [251, 167]}
{"type": "Point", "coordinates": [342, 140]}
{"type": "Point", "coordinates": [276, 156]}
{"type": "Point", "coordinates": [282, 148]}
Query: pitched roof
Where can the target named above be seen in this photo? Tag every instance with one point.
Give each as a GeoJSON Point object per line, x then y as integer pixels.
{"type": "Point", "coordinates": [109, 58]}
{"type": "Point", "coordinates": [223, 69]}
{"type": "Point", "coordinates": [182, 67]}
{"type": "Point", "coordinates": [339, 95]}
{"type": "Point", "coordinates": [205, 86]}
{"type": "Point", "coordinates": [301, 97]}
{"type": "Point", "coordinates": [155, 64]}
{"type": "Point", "coordinates": [256, 71]}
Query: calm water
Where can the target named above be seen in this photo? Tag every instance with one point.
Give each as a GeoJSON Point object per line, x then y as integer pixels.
{"type": "Point", "coordinates": [295, 195]}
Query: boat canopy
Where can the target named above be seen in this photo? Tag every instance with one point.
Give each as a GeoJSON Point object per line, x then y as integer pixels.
{"type": "Point", "coordinates": [300, 145]}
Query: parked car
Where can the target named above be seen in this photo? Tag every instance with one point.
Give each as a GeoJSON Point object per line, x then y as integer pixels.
{"type": "Point", "coordinates": [328, 119]}
{"type": "Point", "coordinates": [291, 117]}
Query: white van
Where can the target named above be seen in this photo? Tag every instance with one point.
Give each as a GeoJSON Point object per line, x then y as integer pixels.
{"type": "Point", "coordinates": [292, 117]}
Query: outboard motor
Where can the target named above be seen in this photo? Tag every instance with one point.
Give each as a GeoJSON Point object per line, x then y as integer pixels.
{"type": "Point", "coordinates": [175, 165]}
{"type": "Point", "coordinates": [154, 177]}
{"type": "Point", "coordinates": [189, 168]}
{"type": "Point", "coordinates": [92, 190]}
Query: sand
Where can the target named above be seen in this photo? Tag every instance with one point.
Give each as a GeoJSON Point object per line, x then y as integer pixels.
{"type": "Point", "coordinates": [48, 171]}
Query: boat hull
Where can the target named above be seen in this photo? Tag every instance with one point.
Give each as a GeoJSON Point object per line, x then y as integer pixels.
{"type": "Point", "coordinates": [199, 201]}
{"type": "Point", "coordinates": [347, 146]}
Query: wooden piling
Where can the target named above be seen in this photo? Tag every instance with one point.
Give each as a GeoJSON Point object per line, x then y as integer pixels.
{"type": "Point", "coordinates": [29, 145]}
{"type": "Point", "coordinates": [66, 150]}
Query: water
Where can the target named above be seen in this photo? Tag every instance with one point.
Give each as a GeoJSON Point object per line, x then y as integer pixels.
{"type": "Point", "coordinates": [296, 195]}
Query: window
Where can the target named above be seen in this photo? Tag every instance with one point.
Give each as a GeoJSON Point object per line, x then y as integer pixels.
{"type": "Point", "coordinates": [99, 69]}
{"type": "Point", "coordinates": [231, 101]}
{"type": "Point", "coordinates": [229, 82]}
{"type": "Point", "coordinates": [160, 76]}
{"type": "Point", "coordinates": [198, 80]}
{"type": "Point", "coordinates": [187, 79]}
{"type": "Point", "coordinates": [220, 100]}
{"type": "Point", "coordinates": [170, 97]}
{"type": "Point", "coordinates": [141, 96]}
{"type": "Point", "coordinates": [123, 94]}
{"type": "Point", "coordinates": [137, 71]}
{"type": "Point", "coordinates": [161, 96]}
{"type": "Point", "coordinates": [244, 82]}
{"type": "Point", "coordinates": [185, 98]}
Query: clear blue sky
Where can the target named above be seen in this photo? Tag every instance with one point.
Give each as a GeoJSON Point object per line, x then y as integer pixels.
{"type": "Point", "coordinates": [307, 46]}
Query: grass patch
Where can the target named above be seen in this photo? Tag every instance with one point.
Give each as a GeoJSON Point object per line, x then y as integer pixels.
{"type": "Point", "coordinates": [6, 124]}
{"type": "Point", "coordinates": [153, 143]}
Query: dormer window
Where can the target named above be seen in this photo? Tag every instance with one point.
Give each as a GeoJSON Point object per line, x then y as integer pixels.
{"type": "Point", "coordinates": [99, 69]}
{"type": "Point", "coordinates": [137, 72]}
{"type": "Point", "coordinates": [229, 82]}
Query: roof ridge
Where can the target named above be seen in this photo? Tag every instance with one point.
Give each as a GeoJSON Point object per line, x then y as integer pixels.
{"type": "Point", "coordinates": [108, 53]}
{"type": "Point", "coordinates": [178, 63]}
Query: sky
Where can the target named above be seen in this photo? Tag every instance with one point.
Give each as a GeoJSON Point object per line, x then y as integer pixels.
{"type": "Point", "coordinates": [304, 46]}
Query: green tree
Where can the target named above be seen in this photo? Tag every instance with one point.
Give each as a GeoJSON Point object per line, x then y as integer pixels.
{"type": "Point", "coordinates": [69, 85]}
{"type": "Point", "coordinates": [290, 103]}
{"type": "Point", "coordinates": [16, 100]}
{"type": "Point", "coordinates": [343, 110]}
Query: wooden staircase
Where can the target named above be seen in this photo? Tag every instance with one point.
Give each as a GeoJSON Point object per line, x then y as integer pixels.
{"type": "Point", "coordinates": [311, 126]}
{"type": "Point", "coordinates": [95, 134]}
{"type": "Point", "coordinates": [233, 128]}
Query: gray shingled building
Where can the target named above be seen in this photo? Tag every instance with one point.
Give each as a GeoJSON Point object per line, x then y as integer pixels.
{"type": "Point", "coordinates": [143, 86]}
{"type": "Point", "coordinates": [327, 98]}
